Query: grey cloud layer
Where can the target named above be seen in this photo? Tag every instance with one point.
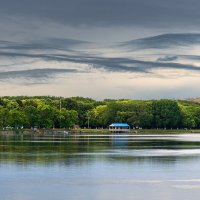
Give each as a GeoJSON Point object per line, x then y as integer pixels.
{"type": "Point", "coordinates": [163, 41]}
{"type": "Point", "coordinates": [109, 64]}
{"type": "Point", "coordinates": [28, 54]}
{"type": "Point", "coordinates": [34, 47]}
{"type": "Point", "coordinates": [35, 76]}
{"type": "Point", "coordinates": [45, 44]}
{"type": "Point", "coordinates": [107, 12]}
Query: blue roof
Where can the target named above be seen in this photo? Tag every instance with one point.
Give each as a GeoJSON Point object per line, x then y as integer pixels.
{"type": "Point", "coordinates": [119, 124]}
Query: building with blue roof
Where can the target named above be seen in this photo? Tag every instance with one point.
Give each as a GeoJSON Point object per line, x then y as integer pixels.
{"type": "Point", "coordinates": [119, 127]}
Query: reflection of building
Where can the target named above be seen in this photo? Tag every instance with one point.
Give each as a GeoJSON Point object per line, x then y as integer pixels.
{"type": "Point", "coordinates": [119, 127]}
{"type": "Point", "coordinates": [119, 140]}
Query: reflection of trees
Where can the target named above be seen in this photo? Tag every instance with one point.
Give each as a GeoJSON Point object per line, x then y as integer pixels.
{"type": "Point", "coordinates": [154, 160]}
{"type": "Point", "coordinates": [82, 149]}
{"type": "Point", "coordinates": [41, 150]}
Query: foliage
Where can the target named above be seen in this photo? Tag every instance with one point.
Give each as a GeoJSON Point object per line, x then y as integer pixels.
{"type": "Point", "coordinates": [59, 112]}
{"type": "Point", "coordinates": [166, 114]}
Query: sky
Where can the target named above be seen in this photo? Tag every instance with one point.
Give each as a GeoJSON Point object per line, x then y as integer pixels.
{"type": "Point", "coordinates": [135, 49]}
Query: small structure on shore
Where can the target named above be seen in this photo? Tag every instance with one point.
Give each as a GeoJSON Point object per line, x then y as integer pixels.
{"type": "Point", "coordinates": [119, 127]}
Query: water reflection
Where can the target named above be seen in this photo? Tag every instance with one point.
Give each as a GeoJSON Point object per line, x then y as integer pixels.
{"type": "Point", "coordinates": [86, 148]}
{"type": "Point", "coordinates": [100, 167]}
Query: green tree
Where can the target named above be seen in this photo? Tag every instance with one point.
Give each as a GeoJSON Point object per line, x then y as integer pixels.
{"type": "Point", "coordinates": [97, 116]}
{"type": "Point", "coordinates": [16, 118]}
{"type": "Point", "coordinates": [166, 114]}
{"type": "Point", "coordinates": [68, 118]}
{"type": "Point", "coordinates": [48, 116]}
{"type": "Point", "coordinates": [4, 113]}
{"type": "Point", "coordinates": [189, 120]}
{"type": "Point", "coordinates": [33, 116]}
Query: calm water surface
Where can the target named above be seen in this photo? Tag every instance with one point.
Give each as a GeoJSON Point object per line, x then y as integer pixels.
{"type": "Point", "coordinates": [100, 167]}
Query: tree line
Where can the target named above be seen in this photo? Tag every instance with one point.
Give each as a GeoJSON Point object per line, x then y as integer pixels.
{"type": "Point", "coordinates": [58, 112]}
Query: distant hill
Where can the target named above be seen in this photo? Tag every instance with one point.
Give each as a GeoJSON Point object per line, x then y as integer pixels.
{"type": "Point", "coordinates": [196, 100]}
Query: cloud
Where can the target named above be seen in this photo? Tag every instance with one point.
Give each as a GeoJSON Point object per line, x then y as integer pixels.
{"type": "Point", "coordinates": [58, 56]}
{"type": "Point", "coordinates": [36, 75]}
{"type": "Point", "coordinates": [35, 42]}
{"type": "Point", "coordinates": [83, 20]}
{"type": "Point", "coordinates": [109, 64]}
{"type": "Point", "coordinates": [45, 44]}
{"type": "Point", "coordinates": [128, 65]}
{"type": "Point", "coordinates": [167, 58]}
{"type": "Point", "coordinates": [115, 12]}
{"type": "Point", "coordinates": [163, 41]}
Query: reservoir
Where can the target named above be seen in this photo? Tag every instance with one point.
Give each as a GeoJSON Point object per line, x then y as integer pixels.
{"type": "Point", "coordinates": [100, 167]}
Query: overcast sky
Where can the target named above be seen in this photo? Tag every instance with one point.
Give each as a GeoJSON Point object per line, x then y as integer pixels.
{"type": "Point", "coordinates": [100, 48]}
{"type": "Point", "coordinates": [88, 19]}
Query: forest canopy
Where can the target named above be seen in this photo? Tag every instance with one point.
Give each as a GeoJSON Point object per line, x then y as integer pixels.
{"type": "Point", "coordinates": [59, 112]}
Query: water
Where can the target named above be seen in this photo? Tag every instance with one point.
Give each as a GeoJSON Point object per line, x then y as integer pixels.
{"type": "Point", "coordinates": [100, 167]}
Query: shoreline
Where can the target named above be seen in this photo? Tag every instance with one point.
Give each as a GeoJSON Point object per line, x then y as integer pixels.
{"type": "Point", "coordinates": [97, 132]}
